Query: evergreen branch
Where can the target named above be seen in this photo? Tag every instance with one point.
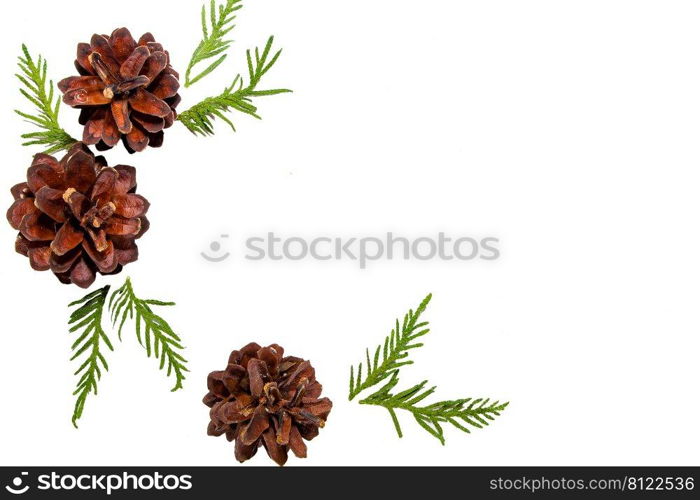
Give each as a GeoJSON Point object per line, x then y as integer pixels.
{"type": "Point", "coordinates": [88, 320]}
{"type": "Point", "coordinates": [238, 96]}
{"type": "Point", "coordinates": [152, 331]}
{"type": "Point", "coordinates": [213, 44]}
{"type": "Point", "coordinates": [460, 413]}
{"type": "Point", "coordinates": [394, 353]}
{"type": "Point", "coordinates": [41, 96]}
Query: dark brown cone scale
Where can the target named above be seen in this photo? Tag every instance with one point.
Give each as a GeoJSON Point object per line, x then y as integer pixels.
{"type": "Point", "coordinates": [78, 217]}
{"type": "Point", "coordinates": [126, 90]}
{"type": "Point", "coordinates": [265, 399]}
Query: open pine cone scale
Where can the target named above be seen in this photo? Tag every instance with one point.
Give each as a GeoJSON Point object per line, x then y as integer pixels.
{"type": "Point", "coordinates": [265, 399]}
{"type": "Point", "coordinates": [126, 89]}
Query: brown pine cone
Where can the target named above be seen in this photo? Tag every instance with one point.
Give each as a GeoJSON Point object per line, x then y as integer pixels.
{"type": "Point", "coordinates": [127, 90]}
{"type": "Point", "coordinates": [77, 216]}
{"type": "Point", "coordinates": [265, 399]}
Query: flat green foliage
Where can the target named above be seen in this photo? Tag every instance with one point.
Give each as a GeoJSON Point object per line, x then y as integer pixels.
{"type": "Point", "coordinates": [87, 320]}
{"type": "Point", "coordinates": [460, 413]}
{"type": "Point", "coordinates": [214, 44]}
{"type": "Point", "coordinates": [44, 116]}
{"type": "Point", "coordinates": [394, 352]}
{"type": "Point", "coordinates": [238, 96]}
{"type": "Point", "coordinates": [152, 331]}
{"type": "Point", "coordinates": [385, 365]}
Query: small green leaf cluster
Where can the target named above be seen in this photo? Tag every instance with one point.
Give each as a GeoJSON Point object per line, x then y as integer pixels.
{"type": "Point", "coordinates": [213, 43]}
{"type": "Point", "coordinates": [394, 353]}
{"type": "Point", "coordinates": [88, 320]}
{"type": "Point", "coordinates": [158, 337]}
{"type": "Point", "coordinates": [386, 364]}
{"type": "Point", "coordinates": [238, 96]}
{"type": "Point", "coordinates": [152, 332]}
{"type": "Point", "coordinates": [40, 93]}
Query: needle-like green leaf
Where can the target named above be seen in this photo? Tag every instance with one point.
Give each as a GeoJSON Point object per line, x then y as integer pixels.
{"type": "Point", "coordinates": [385, 365]}
{"type": "Point", "coordinates": [394, 352]}
{"type": "Point", "coordinates": [158, 336]}
{"type": "Point", "coordinates": [214, 43]}
{"type": "Point", "coordinates": [238, 96]}
{"type": "Point", "coordinates": [40, 94]}
{"type": "Point", "coordinates": [87, 320]}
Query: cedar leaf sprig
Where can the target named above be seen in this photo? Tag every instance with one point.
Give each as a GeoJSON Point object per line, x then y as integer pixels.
{"type": "Point", "coordinates": [152, 332]}
{"type": "Point", "coordinates": [158, 337]}
{"type": "Point", "coordinates": [40, 94]}
{"type": "Point", "coordinates": [238, 96]}
{"type": "Point", "coordinates": [88, 320]}
{"type": "Point", "coordinates": [474, 412]}
{"type": "Point", "coordinates": [213, 43]}
{"type": "Point", "coordinates": [460, 413]}
{"type": "Point", "coordinates": [393, 356]}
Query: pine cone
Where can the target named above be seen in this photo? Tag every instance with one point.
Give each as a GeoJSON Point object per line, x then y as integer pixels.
{"type": "Point", "coordinates": [126, 90]}
{"type": "Point", "coordinates": [78, 217]}
{"type": "Point", "coordinates": [265, 399]}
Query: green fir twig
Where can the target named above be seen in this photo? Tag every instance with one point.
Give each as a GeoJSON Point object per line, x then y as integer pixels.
{"type": "Point", "coordinates": [40, 94]}
{"type": "Point", "coordinates": [152, 331]}
{"type": "Point", "coordinates": [238, 96]}
{"type": "Point", "coordinates": [461, 413]}
{"type": "Point", "coordinates": [88, 320]}
{"type": "Point", "coordinates": [213, 43]}
{"type": "Point", "coordinates": [394, 353]}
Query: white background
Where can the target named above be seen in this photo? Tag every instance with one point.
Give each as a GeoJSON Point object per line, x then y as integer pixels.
{"type": "Point", "coordinates": [568, 129]}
